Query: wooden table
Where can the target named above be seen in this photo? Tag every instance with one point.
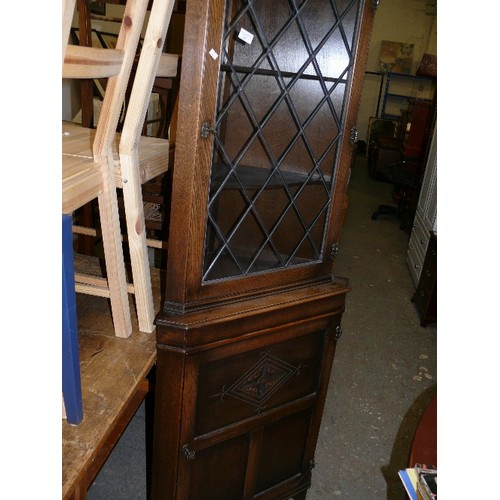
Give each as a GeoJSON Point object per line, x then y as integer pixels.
{"type": "Point", "coordinates": [424, 446]}
{"type": "Point", "coordinates": [114, 383]}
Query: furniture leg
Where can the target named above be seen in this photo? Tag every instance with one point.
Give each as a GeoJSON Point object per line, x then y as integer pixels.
{"type": "Point", "coordinates": [113, 252]}
{"type": "Point", "coordinates": [71, 381]}
{"type": "Point", "coordinates": [136, 233]}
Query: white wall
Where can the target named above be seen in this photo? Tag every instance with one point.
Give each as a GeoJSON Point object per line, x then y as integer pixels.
{"type": "Point", "coordinates": [397, 21]}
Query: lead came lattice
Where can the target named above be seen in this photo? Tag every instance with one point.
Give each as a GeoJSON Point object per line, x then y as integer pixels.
{"type": "Point", "coordinates": [264, 91]}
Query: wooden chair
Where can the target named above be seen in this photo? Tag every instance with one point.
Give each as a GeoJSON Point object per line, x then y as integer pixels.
{"type": "Point", "coordinates": [68, 7]}
{"type": "Point", "coordinates": [90, 174]}
{"type": "Point", "coordinates": [161, 123]}
{"type": "Point", "coordinates": [162, 111]}
{"type": "Point", "coordinates": [143, 158]}
{"type": "Point", "coordinates": [137, 159]}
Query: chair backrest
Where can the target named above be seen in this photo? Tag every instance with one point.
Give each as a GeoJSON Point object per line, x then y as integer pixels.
{"type": "Point", "coordinates": [114, 64]}
{"type": "Point", "coordinates": [147, 70]}
{"type": "Point", "coordinates": [68, 7]}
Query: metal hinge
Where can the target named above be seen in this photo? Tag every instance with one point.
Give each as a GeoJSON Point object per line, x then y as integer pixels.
{"type": "Point", "coordinates": [338, 332]}
{"type": "Point", "coordinates": [353, 138]}
{"type": "Point", "coordinates": [189, 454]}
{"type": "Point", "coordinates": [206, 129]}
{"type": "Point", "coordinates": [334, 251]}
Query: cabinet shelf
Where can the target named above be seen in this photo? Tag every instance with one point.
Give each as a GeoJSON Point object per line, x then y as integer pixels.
{"type": "Point", "coordinates": [260, 201]}
{"type": "Point", "coordinates": [250, 177]}
{"type": "Point", "coordinates": [286, 74]}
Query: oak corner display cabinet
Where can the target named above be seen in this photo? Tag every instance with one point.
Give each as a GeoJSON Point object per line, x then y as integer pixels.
{"type": "Point", "coordinates": [268, 100]}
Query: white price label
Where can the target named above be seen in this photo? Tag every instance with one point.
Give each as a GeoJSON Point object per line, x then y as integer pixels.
{"type": "Point", "coordinates": [245, 36]}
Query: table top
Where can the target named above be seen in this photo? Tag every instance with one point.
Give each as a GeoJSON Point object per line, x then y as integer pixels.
{"type": "Point", "coordinates": [424, 446]}
{"type": "Point", "coordinates": [112, 370]}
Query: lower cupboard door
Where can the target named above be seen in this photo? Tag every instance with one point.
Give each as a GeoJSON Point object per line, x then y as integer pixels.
{"type": "Point", "coordinates": [219, 472]}
{"type": "Point", "coordinates": [254, 463]}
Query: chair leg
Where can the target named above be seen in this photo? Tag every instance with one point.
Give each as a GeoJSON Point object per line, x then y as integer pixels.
{"type": "Point", "coordinates": [71, 381]}
{"type": "Point", "coordinates": [113, 253]}
{"type": "Point", "coordinates": [136, 235]}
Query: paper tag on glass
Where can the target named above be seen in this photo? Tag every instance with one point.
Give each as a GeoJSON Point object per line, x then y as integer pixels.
{"type": "Point", "coordinates": [245, 36]}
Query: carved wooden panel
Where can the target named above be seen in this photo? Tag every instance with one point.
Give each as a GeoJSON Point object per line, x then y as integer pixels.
{"type": "Point", "coordinates": [245, 385]}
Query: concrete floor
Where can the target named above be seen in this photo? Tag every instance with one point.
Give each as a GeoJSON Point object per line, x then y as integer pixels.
{"type": "Point", "coordinates": [383, 376]}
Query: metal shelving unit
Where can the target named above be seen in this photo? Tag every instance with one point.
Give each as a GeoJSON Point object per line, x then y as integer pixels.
{"type": "Point", "coordinates": [395, 96]}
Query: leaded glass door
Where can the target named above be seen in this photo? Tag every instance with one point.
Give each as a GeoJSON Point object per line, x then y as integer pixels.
{"type": "Point", "coordinates": [285, 74]}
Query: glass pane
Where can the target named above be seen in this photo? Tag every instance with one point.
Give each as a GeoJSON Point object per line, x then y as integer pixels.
{"type": "Point", "coordinates": [281, 104]}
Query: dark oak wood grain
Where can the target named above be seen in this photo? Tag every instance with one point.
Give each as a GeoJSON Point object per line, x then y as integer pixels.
{"type": "Point", "coordinates": [244, 362]}
{"type": "Point", "coordinates": [246, 415]}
